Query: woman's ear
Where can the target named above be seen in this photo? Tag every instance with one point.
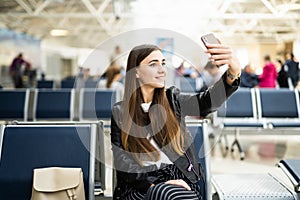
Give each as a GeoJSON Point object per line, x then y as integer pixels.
{"type": "Point", "coordinates": [137, 74]}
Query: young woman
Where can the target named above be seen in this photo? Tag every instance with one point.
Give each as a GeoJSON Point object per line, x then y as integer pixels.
{"type": "Point", "coordinates": [153, 152]}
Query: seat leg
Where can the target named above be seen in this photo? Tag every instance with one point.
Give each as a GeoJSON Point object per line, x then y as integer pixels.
{"type": "Point", "coordinates": [238, 144]}
{"type": "Point", "coordinates": [224, 150]}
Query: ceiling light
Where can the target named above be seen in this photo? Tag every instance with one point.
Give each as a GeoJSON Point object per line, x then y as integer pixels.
{"type": "Point", "coordinates": [59, 32]}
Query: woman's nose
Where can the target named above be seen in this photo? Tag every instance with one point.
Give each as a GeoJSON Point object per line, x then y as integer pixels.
{"type": "Point", "coordinates": [161, 68]}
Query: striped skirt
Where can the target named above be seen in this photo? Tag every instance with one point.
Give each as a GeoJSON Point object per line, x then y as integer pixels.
{"type": "Point", "coordinates": [162, 191]}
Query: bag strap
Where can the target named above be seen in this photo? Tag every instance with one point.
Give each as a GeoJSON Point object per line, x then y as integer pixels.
{"type": "Point", "coordinates": [71, 194]}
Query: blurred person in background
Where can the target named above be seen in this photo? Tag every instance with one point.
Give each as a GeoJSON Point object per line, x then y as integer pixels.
{"type": "Point", "coordinates": [292, 68]}
{"type": "Point", "coordinates": [248, 78]}
{"type": "Point", "coordinates": [269, 76]}
{"type": "Point", "coordinates": [282, 78]}
{"type": "Point", "coordinates": [180, 71]}
{"type": "Point", "coordinates": [16, 70]}
{"type": "Point", "coordinates": [87, 74]}
{"type": "Point", "coordinates": [113, 81]}
{"type": "Point", "coordinates": [117, 58]}
{"type": "Point", "coordinates": [191, 72]}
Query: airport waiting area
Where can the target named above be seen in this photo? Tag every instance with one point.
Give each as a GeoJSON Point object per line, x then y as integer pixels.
{"type": "Point", "coordinates": [149, 100]}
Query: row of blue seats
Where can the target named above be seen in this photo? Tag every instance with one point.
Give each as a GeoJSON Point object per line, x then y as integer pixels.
{"type": "Point", "coordinates": [67, 83]}
{"type": "Point", "coordinates": [28, 146]}
{"type": "Point", "coordinates": [186, 84]}
{"type": "Point", "coordinates": [258, 108]}
{"type": "Point", "coordinates": [247, 107]}
{"type": "Point", "coordinates": [56, 104]}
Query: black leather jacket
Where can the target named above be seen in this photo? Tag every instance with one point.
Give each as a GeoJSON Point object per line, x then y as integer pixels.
{"type": "Point", "coordinates": [130, 172]}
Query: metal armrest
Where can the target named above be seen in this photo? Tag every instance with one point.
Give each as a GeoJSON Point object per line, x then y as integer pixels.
{"type": "Point", "coordinates": [292, 169]}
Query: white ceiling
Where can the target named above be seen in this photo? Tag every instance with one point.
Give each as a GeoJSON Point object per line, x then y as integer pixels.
{"type": "Point", "coordinates": [91, 21]}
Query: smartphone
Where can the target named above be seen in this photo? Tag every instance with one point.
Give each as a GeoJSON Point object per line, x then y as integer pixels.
{"type": "Point", "coordinates": [209, 38]}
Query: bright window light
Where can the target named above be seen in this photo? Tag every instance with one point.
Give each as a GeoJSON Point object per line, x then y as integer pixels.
{"type": "Point", "coordinates": [59, 32]}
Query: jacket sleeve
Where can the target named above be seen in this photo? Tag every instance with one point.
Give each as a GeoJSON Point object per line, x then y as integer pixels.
{"type": "Point", "coordinates": [209, 101]}
{"type": "Point", "coordinates": [128, 170]}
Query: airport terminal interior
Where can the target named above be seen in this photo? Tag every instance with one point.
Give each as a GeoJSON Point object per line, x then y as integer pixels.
{"type": "Point", "coordinates": [56, 57]}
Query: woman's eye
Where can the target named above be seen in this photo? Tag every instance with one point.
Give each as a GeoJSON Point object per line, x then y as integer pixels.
{"type": "Point", "coordinates": [153, 65]}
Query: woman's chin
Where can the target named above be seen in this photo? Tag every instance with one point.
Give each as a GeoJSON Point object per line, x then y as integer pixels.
{"type": "Point", "coordinates": [155, 85]}
{"type": "Point", "coordinates": [160, 85]}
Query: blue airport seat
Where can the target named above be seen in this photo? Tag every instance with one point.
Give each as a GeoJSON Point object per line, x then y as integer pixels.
{"type": "Point", "coordinates": [278, 103]}
{"type": "Point", "coordinates": [68, 83]}
{"type": "Point", "coordinates": [96, 104]}
{"type": "Point", "coordinates": [14, 104]}
{"type": "Point", "coordinates": [26, 147]}
{"type": "Point", "coordinates": [45, 84]}
{"type": "Point", "coordinates": [100, 151]}
{"type": "Point", "coordinates": [279, 108]}
{"type": "Point", "coordinates": [201, 144]}
{"type": "Point", "coordinates": [52, 104]}
{"type": "Point", "coordinates": [237, 113]}
{"type": "Point", "coordinates": [240, 109]}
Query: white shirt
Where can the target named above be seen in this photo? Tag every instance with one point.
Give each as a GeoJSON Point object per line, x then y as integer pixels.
{"type": "Point", "coordinates": [163, 157]}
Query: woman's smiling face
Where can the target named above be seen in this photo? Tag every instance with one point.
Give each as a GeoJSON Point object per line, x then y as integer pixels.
{"type": "Point", "coordinates": [152, 70]}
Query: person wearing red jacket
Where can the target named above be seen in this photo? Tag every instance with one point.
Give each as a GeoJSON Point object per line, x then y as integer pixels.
{"type": "Point", "coordinates": [15, 70]}
{"type": "Point", "coordinates": [269, 76]}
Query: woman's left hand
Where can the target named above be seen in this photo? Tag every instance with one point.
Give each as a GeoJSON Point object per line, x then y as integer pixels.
{"type": "Point", "coordinates": [179, 182]}
{"type": "Point", "coordinates": [221, 55]}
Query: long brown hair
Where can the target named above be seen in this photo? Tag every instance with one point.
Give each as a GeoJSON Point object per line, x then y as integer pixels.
{"type": "Point", "coordinates": [136, 123]}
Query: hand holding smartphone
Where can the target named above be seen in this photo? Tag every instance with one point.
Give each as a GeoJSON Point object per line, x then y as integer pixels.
{"type": "Point", "coordinates": [210, 39]}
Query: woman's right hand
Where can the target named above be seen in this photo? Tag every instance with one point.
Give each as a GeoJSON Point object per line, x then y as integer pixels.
{"type": "Point", "coordinates": [222, 54]}
{"type": "Point", "coordinates": [179, 182]}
